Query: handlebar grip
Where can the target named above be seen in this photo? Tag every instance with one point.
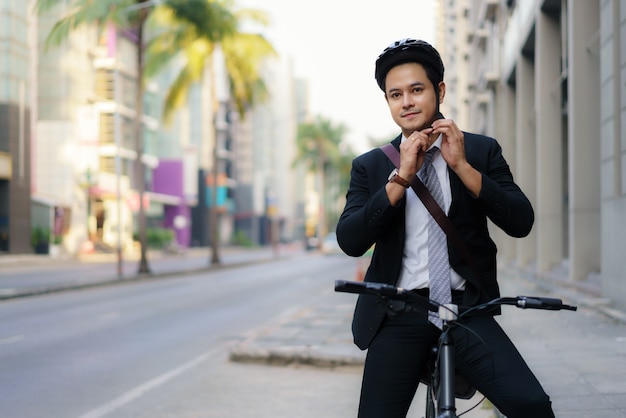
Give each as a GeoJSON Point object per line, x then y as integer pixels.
{"type": "Point", "coordinates": [348, 287]}
{"type": "Point", "coordinates": [368, 287]}
{"type": "Point", "coordinates": [386, 291]}
{"type": "Point", "coordinates": [535, 302]}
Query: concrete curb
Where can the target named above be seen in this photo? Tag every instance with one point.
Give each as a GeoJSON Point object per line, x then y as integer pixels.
{"type": "Point", "coordinates": [310, 335]}
{"type": "Point", "coordinates": [38, 259]}
{"type": "Point", "coordinates": [43, 290]}
{"type": "Point", "coordinates": [293, 356]}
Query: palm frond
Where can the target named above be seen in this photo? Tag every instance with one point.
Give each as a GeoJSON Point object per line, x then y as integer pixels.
{"type": "Point", "coordinates": [163, 48]}
{"type": "Point", "coordinates": [244, 54]}
{"type": "Point", "coordinates": [211, 19]}
{"type": "Point", "coordinates": [178, 25]}
{"type": "Point", "coordinates": [83, 12]}
{"type": "Point", "coordinates": [319, 138]}
{"type": "Point", "coordinates": [196, 55]}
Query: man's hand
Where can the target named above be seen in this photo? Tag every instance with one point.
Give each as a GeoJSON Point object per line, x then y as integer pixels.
{"type": "Point", "coordinates": [452, 145]}
{"type": "Point", "coordinates": [453, 152]}
{"type": "Point", "coordinates": [413, 150]}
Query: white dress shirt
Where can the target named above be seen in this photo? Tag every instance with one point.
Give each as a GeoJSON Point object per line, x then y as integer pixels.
{"type": "Point", "coordinates": [414, 272]}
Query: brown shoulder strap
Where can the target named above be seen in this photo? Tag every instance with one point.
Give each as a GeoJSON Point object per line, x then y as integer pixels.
{"type": "Point", "coordinates": [392, 153]}
{"type": "Point", "coordinates": [433, 208]}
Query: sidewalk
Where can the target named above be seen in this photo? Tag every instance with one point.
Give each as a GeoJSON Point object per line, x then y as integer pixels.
{"type": "Point", "coordinates": [580, 357]}
{"type": "Point", "coordinates": [15, 280]}
{"type": "Point", "coordinates": [229, 254]}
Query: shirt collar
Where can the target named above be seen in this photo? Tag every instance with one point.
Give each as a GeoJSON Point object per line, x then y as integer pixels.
{"type": "Point", "coordinates": [437, 142]}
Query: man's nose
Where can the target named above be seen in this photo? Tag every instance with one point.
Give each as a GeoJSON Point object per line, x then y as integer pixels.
{"type": "Point", "coordinates": [407, 101]}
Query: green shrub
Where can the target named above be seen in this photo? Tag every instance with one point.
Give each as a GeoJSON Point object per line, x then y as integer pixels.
{"type": "Point", "coordinates": [240, 238]}
{"type": "Point", "coordinates": [39, 235]}
{"type": "Point", "coordinates": [159, 237]}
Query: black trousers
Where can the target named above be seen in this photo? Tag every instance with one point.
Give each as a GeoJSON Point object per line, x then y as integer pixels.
{"type": "Point", "coordinates": [491, 363]}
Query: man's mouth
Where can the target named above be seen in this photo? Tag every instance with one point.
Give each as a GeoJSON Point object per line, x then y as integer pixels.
{"type": "Point", "coordinates": [410, 114]}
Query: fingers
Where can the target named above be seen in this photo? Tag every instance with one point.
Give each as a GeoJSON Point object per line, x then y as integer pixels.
{"type": "Point", "coordinates": [452, 145]}
{"type": "Point", "coordinates": [448, 129]}
{"type": "Point", "coordinates": [412, 151]}
{"type": "Point", "coordinates": [420, 140]}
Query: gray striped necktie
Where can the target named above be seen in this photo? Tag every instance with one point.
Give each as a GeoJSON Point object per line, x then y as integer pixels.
{"type": "Point", "coordinates": [438, 262]}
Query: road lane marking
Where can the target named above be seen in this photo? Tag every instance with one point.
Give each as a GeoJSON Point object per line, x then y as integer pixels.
{"type": "Point", "coordinates": [12, 339]}
{"type": "Point", "coordinates": [144, 388]}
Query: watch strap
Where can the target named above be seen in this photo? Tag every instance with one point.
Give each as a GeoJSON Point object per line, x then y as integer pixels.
{"type": "Point", "coordinates": [399, 180]}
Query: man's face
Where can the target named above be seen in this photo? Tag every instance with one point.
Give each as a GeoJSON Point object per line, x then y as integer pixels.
{"type": "Point", "coordinates": [411, 97]}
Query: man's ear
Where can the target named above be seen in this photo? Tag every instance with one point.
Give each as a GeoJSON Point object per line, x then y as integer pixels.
{"type": "Point", "coordinates": [442, 91]}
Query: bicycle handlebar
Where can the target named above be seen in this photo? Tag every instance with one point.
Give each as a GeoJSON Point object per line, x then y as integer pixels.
{"type": "Point", "coordinates": [369, 287]}
{"type": "Point", "coordinates": [537, 302]}
{"type": "Point", "coordinates": [398, 293]}
{"type": "Point", "coordinates": [384, 290]}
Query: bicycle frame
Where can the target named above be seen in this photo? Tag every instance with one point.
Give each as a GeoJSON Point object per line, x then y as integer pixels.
{"type": "Point", "coordinates": [444, 377]}
{"type": "Point", "coordinates": [446, 401]}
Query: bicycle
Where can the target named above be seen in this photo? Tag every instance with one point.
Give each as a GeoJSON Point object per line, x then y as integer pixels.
{"type": "Point", "coordinates": [443, 384]}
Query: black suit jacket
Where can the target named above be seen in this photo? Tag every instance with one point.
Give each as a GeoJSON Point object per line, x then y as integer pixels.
{"type": "Point", "coordinates": [368, 218]}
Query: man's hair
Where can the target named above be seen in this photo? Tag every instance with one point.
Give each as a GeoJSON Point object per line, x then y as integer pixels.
{"type": "Point", "coordinates": [410, 50]}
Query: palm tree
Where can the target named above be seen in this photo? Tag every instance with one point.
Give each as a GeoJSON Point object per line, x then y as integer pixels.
{"type": "Point", "coordinates": [318, 148]}
{"type": "Point", "coordinates": [211, 17]}
{"type": "Point", "coordinates": [340, 173]}
{"type": "Point", "coordinates": [243, 57]}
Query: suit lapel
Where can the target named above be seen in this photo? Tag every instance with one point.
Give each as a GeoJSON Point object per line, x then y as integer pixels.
{"type": "Point", "coordinates": [456, 188]}
{"type": "Point", "coordinates": [396, 145]}
{"type": "Point", "coordinates": [396, 142]}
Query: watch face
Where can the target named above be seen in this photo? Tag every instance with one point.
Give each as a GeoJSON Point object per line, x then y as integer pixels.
{"type": "Point", "coordinates": [393, 174]}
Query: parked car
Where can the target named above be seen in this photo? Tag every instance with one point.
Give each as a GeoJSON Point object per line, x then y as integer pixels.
{"type": "Point", "coordinates": [312, 244]}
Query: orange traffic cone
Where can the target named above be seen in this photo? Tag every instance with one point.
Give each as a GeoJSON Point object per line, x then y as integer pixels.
{"type": "Point", "coordinates": [360, 273]}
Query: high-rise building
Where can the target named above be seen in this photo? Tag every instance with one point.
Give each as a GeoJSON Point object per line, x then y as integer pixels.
{"type": "Point", "coordinates": [546, 78]}
{"type": "Point", "coordinates": [267, 195]}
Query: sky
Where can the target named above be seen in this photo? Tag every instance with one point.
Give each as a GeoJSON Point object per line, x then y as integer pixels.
{"type": "Point", "coordinates": [334, 44]}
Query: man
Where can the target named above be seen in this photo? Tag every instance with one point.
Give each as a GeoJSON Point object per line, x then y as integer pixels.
{"type": "Point", "coordinates": [382, 209]}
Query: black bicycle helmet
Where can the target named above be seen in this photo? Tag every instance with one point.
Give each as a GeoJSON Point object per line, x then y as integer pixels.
{"type": "Point", "coordinates": [409, 50]}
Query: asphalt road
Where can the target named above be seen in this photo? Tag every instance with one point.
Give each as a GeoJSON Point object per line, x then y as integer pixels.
{"type": "Point", "coordinates": [158, 345]}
